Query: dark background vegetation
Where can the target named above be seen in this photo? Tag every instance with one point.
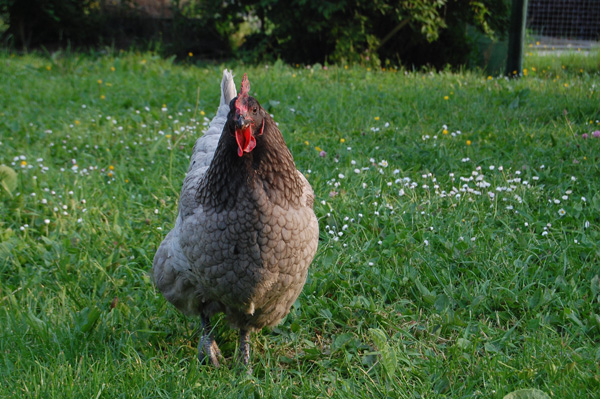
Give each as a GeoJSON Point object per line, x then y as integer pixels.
{"type": "Point", "coordinates": [374, 32]}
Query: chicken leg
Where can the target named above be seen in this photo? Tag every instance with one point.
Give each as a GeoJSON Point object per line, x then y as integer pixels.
{"type": "Point", "coordinates": [244, 353]}
{"type": "Point", "coordinates": [208, 348]}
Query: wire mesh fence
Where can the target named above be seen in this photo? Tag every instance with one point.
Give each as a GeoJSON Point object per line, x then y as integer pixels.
{"type": "Point", "coordinates": [563, 24]}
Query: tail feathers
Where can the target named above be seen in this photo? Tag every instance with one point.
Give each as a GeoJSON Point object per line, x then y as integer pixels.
{"type": "Point", "coordinates": [206, 145]}
{"type": "Point", "coordinates": [228, 91]}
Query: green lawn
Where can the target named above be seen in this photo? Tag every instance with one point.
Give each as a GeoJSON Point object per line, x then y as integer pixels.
{"type": "Point", "coordinates": [459, 217]}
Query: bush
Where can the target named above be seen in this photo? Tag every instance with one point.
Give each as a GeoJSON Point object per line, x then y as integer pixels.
{"type": "Point", "coordinates": [196, 27]}
{"type": "Point", "coordinates": [35, 22]}
{"type": "Point", "coordinates": [357, 31]}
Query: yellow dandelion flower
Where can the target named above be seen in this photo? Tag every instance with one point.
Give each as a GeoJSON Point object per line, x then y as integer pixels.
{"type": "Point", "coordinates": [468, 142]}
{"type": "Point", "coordinates": [126, 180]}
{"type": "Point", "coordinates": [143, 61]}
{"type": "Point", "coordinates": [111, 167]}
{"type": "Point", "coordinates": [23, 163]}
{"type": "Point", "coordinates": [99, 81]}
{"type": "Point", "coordinates": [342, 140]}
{"type": "Point", "coordinates": [490, 77]}
{"type": "Point", "coordinates": [306, 142]}
{"type": "Point", "coordinates": [112, 69]}
{"type": "Point", "coordinates": [48, 67]}
{"type": "Point", "coordinates": [446, 98]}
{"type": "Point", "coordinates": [77, 122]}
{"type": "Point", "coordinates": [368, 69]}
{"type": "Point", "coordinates": [514, 72]}
{"type": "Point", "coordinates": [190, 54]}
{"type": "Point", "coordinates": [525, 72]}
{"type": "Point", "coordinates": [318, 148]}
{"type": "Point", "coordinates": [345, 66]}
{"type": "Point", "coordinates": [168, 136]}
{"type": "Point", "coordinates": [103, 97]}
{"type": "Point", "coordinates": [110, 174]}
{"type": "Point", "coordinates": [533, 69]}
{"type": "Point", "coordinates": [566, 85]}
{"type": "Point", "coordinates": [293, 75]}
{"type": "Point", "coordinates": [581, 70]}
{"type": "Point", "coordinates": [202, 113]}
{"type": "Point", "coordinates": [376, 118]}
{"type": "Point", "coordinates": [445, 131]}
{"type": "Point", "coordinates": [537, 43]}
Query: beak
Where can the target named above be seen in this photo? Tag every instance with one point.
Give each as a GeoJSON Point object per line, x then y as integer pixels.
{"type": "Point", "coordinates": [241, 123]}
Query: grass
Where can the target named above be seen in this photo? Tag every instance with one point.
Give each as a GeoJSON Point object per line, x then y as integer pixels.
{"type": "Point", "coordinates": [459, 219]}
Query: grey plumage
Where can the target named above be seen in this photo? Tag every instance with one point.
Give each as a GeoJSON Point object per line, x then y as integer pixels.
{"type": "Point", "coordinates": [246, 232]}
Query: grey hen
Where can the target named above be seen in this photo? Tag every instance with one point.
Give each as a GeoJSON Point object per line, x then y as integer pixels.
{"type": "Point", "coordinates": [246, 232]}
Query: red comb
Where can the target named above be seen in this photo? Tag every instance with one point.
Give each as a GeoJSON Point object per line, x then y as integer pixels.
{"type": "Point", "coordinates": [241, 102]}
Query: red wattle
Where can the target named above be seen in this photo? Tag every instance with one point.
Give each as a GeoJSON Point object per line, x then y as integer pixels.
{"type": "Point", "coordinates": [245, 140]}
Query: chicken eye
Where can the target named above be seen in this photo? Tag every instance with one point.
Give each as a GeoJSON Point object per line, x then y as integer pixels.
{"type": "Point", "coordinates": [255, 110]}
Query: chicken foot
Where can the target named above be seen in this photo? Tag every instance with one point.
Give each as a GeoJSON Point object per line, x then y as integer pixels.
{"type": "Point", "coordinates": [208, 348]}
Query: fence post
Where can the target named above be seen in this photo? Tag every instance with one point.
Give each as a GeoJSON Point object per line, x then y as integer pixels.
{"type": "Point", "coordinates": [516, 37]}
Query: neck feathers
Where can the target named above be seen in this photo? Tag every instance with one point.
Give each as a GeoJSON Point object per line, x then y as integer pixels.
{"type": "Point", "coordinates": [268, 168]}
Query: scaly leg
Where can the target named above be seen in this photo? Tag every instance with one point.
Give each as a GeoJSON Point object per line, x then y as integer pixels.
{"type": "Point", "coordinates": [208, 348]}
{"type": "Point", "coordinates": [244, 354]}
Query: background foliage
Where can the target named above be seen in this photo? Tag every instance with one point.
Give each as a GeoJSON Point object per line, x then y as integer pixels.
{"type": "Point", "coordinates": [413, 32]}
{"type": "Point", "coordinates": [368, 32]}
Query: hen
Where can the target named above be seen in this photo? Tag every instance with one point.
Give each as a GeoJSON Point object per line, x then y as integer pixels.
{"type": "Point", "coordinates": [246, 232]}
